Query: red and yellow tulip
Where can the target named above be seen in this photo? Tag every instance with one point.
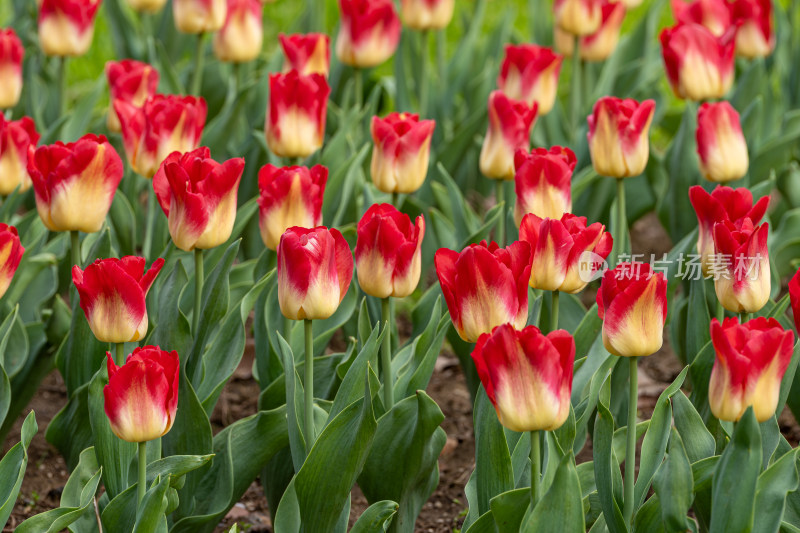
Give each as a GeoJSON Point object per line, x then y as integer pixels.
{"type": "Point", "coordinates": [618, 136]}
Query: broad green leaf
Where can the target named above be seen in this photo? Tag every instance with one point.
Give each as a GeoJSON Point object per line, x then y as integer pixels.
{"type": "Point", "coordinates": [377, 517]}
{"type": "Point", "coordinates": [604, 465]}
{"type": "Point", "coordinates": [508, 509]}
{"type": "Point", "coordinates": [12, 468]}
{"type": "Point", "coordinates": [150, 513]}
{"type": "Point", "coordinates": [70, 431]}
{"type": "Point", "coordinates": [493, 472]}
{"type": "Point", "coordinates": [771, 490]}
{"type": "Point", "coordinates": [561, 508]}
{"type": "Point", "coordinates": [674, 485]}
{"type": "Point", "coordinates": [697, 440]}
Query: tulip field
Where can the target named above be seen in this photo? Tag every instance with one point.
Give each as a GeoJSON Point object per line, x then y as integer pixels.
{"type": "Point", "coordinates": [329, 266]}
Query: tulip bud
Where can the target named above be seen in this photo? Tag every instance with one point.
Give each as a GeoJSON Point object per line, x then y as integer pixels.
{"type": "Point", "coordinates": [510, 123]}
{"type": "Point", "coordinates": [794, 298]}
{"type": "Point", "coordinates": [315, 268]}
{"type": "Point", "coordinates": [755, 36]}
{"type": "Point", "coordinates": [307, 54]}
{"type": "Point", "coordinates": [74, 183]}
{"type": "Point", "coordinates": [147, 6]}
{"type": "Point", "coordinates": [198, 195]}
{"type": "Point", "coordinates": [578, 17]}
{"type": "Point", "coordinates": [632, 301]}
{"type": "Point", "coordinates": [401, 152]}
{"type": "Point", "coordinates": [112, 293]}
{"type": "Point", "coordinates": [298, 106]}
{"type": "Point", "coordinates": [427, 14]}
{"type": "Point", "coordinates": [751, 360]}
{"type": "Point", "coordinates": [715, 15]}
{"type": "Point", "coordinates": [485, 286]}
{"type": "Point", "coordinates": [66, 27]}
{"type": "Point", "coordinates": [241, 37]}
{"type": "Point", "coordinates": [543, 182]}
{"type": "Point", "coordinates": [699, 65]}
{"type": "Point", "coordinates": [618, 136]}
{"type": "Point", "coordinates": [720, 143]}
{"type": "Point", "coordinates": [527, 376]}
{"type": "Point", "coordinates": [290, 196]}
{"type": "Point", "coordinates": [564, 253]}
{"type": "Point", "coordinates": [369, 32]}
{"type": "Point", "coordinates": [17, 138]}
{"type": "Point", "coordinates": [722, 205]}
{"type": "Point", "coordinates": [164, 124]}
{"type": "Point", "coordinates": [389, 252]}
{"type": "Point", "coordinates": [199, 16]}
{"type": "Point", "coordinates": [741, 266]}
{"type": "Point", "coordinates": [141, 397]}
{"type": "Point", "coordinates": [530, 73]}
{"type": "Point", "coordinates": [11, 251]}
{"type": "Point", "coordinates": [131, 81]}
{"type": "Point", "coordinates": [11, 54]}
{"type": "Point", "coordinates": [602, 43]}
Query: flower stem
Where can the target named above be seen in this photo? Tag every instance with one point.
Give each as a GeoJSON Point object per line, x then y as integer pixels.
{"type": "Point", "coordinates": [630, 449]}
{"type": "Point", "coordinates": [386, 355]}
{"type": "Point", "coordinates": [198, 289]}
{"type": "Point", "coordinates": [308, 386]}
{"type": "Point", "coordinates": [575, 89]}
{"type": "Point", "coordinates": [75, 247]}
{"type": "Point", "coordinates": [396, 199]}
{"type": "Point", "coordinates": [199, 64]}
{"type": "Point", "coordinates": [423, 79]}
{"type": "Point", "coordinates": [440, 54]}
{"type": "Point", "coordinates": [501, 224]}
{"type": "Point", "coordinates": [554, 311]}
{"type": "Point", "coordinates": [120, 353]}
{"type": "Point", "coordinates": [744, 317]}
{"type": "Point", "coordinates": [359, 87]}
{"type": "Point", "coordinates": [62, 76]}
{"type": "Point", "coordinates": [141, 485]}
{"type": "Point", "coordinates": [622, 222]}
{"type": "Point", "coordinates": [150, 222]}
{"type": "Point", "coordinates": [535, 462]}
{"type": "Point", "coordinates": [720, 311]}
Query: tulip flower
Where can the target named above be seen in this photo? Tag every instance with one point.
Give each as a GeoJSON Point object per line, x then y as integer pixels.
{"type": "Point", "coordinates": [164, 124]}
{"type": "Point", "coordinates": [241, 37]}
{"type": "Point", "coordinates": [578, 17]}
{"type": "Point", "coordinates": [66, 27]}
{"type": "Point", "coordinates": [11, 251]}
{"type": "Point", "coordinates": [307, 54]}
{"type": "Point", "coordinates": [298, 104]}
{"type": "Point", "coordinates": [618, 136]}
{"type": "Point", "coordinates": [315, 268]}
{"type": "Point", "coordinates": [565, 252]}
{"type": "Point", "coordinates": [17, 138]}
{"type": "Point", "coordinates": [427, 14]}
{"type": "Point", "coordinates": [715, 15]}
{"type": "Point", "coordinates": [198, 195]}
{"type": "Point", "coordinates": [11, 54]}
{"type": "Point", "coordinates": [632, 301]}
{"type": "Point", "coordinates": [751, 359]}
{"type": "Point", "coordinates": [290, 196]}
{"type": "Point", "coordinates": [543, 182]}
{"type": "Point", "coordinates": [369, 32]}
{"type": "Point", "coordinates": [199, 16]}
{"type": "Point", "coordinates": [401, 152]}
{"type": "Point", "coordinates": [529, 73]}
{"type": "Point", "coordinates": [510, 123]}
{"type": "Point", "coordinates": [794, 298]}
{"type": "Point", "coordinates": [485, 286]}
{"type": "Point", "coordinates": [74, 183]}
{"type": "Point", "coordinates": [755, 36]}
{"type": "Point", "coordinates": [741, 266]}
{"type": "Point", "coordinates": [131, 81]}
{"type": "Point", "coordinates": [389, 252]}
{"type": "Point", "coordinates": [141, 397]}
{"type": "Point", "coordinates": [112, 293]}
{"type": "Point", "coordinates": [598, 46]}
{"type": "Point", "coordinates": [527, 375]}
{"type": "Point", "coordinates": [699, 65]}
{"type": "Point", "coordinates": [147, 6]}
{"type": "Point", "coordinates": [720, 143]}
{"type": "Point", "coordinates": [724, 204]}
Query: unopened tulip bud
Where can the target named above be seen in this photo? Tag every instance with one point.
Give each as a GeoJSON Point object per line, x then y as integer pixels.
{"type": "Point", "coordinates": [11, 55]}
{"type": "Point", "coordinates": [527, 376]}
{"type": "Point", "coordinates": [11, 251]}
{"type": "Point", "coordinates": [755, 36]}
{"type": "Point", "coordinates": [578, 17]}
{"type": "Point", "coordinates": [699, 65]}
{"type": "Point", "coordinates": [715, 15]}
{"type": "Point", "coordinates": [307, 54]}
{"type": "Point", "coordinates": [130, 81]}
{"type": "Point", "coordinates": [530, 73]}
{"type": "Point", "coordinates": [618, 136]}
{"type": "Point", "coordinates": [17, 138]}
{"type": "Point", "coordinates": [241, 37]}
{"type": "Point", "coordinates": [543, 182]}
{"type": "Point", "coordinates": [720, 143]}
{"type": "Point", "coordinates": [401, 152]}
{"type": "Point", "coordinates": [510, 123]}
{"type": "Point", "coordinates": [66, 27]}
{"type": "Point", "coordinates": [369, 32]}
{"type": "Point", "coordinates": [741, 266]}
{"type": "Point", "coordinates": [427, 14]}
{"type": "Point", "coordinates": [599, 45]}
{"type": "Point", "coordinates": [199, 16]}
{"type": "Point", "coordinates": [298, 105]}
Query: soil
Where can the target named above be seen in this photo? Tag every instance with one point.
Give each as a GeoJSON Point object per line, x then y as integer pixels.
{"type": "Point", "coordinates": [445, 510]}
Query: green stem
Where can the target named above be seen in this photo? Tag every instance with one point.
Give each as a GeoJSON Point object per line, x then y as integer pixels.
{"type": "Point", "coordinates": [440, 56]}
{"type": "Point", "coordinates": [199, 64]}
{"type": "Point", "coordinates": [198, 289]}
{"type": "Point", "coordinates": [62, 77]}
{"type": "Point", "coordinates": [501, 224]}
{"type": "Point", "coordinates": [141, 485]}
{"type": "Point", "coordinates": [150, 220]}
{"type": "Point", "coordinates": [120, 353]}
{"type": "Point", "coordinates": [630, 449]}
{"type": "Point", "coordinates": [535, 462]}
{"type": "Point", "coordinates": [395, 199]}
{"type": "Point", "coordinates": [423, 78]}
{"type": "Point", "coordinates": [287, 330]}
{"type": "Point", "coordinates": [720, 311]}
{"type": "Point", "coordinates": [308, 386]}
{"type": "Point", "coordinates": [622, 223]}
{"type": "Point", "coordinates": [554, 311]}
{"type": "Point", "coordinates": [575, 90]}
{"type": "Point", "coordinates": [744, 317]}
{"type": "Point", "coordinates": [236, 73]}
{"type": "Point", "coordinates": [386, 355]}
{"type": "Point", "coordinates": [75, 247]}
{"type": "Point", "coordinates": [358, 78]}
